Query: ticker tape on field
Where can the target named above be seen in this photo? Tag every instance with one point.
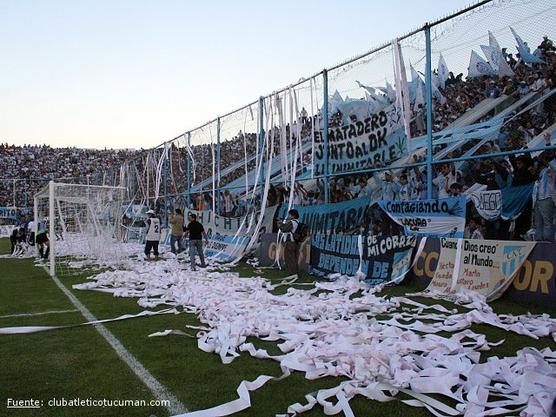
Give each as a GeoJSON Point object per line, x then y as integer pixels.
{"type": "Point", "coordinates": [37, 329]}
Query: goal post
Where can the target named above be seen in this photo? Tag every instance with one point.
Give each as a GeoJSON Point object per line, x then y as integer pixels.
{"type": "Point", "coordinates": [83, 222]}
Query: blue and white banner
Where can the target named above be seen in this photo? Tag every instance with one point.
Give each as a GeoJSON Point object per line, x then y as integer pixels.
{"type": "Point", "coordinates": [507, 203]}
{"type": "Point", "coordinates": [6, 230]}
{"type": "Point", "coordinates": [225, 248]}
{"type": "Point", "coordinates": [439, 217]}
{"type": "Point", "coordinates": [378, 138]}
{"type": "Point", "coordinates": [229, 236]}
{"type": "Point", "coordinates": [379, 259]}
{"type": "Point", "coordinates": [488, 203]}
{"type": "Point", "coordinates": [8, 213]}
{"type": "Point", "coordinates": [344, 217]}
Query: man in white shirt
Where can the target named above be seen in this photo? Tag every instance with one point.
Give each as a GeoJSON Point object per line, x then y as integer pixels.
{"type": "Point", "coordinates": [364, 189]}
{"type": "Point", "coordinates": [405, 192]}
{"type": "Point", "coordinates": [473, 231]}
{"type": "Point", "coordinates": [390, 188]}
{"type": "Point", "coordinates": [443, 181]}
{"type": "Point", "coordinates": [152, 238]}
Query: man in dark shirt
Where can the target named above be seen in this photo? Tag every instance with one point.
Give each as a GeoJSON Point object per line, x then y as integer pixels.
{"type": "Point", "coordinates": [196, 232]}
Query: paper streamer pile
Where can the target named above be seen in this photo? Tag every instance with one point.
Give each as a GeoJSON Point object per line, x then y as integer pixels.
{"type": "Point", "coordinates": [333, 330]}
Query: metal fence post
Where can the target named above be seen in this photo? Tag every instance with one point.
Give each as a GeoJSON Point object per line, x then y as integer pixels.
{"type": "Point", "coordinates": [261, 145]}
{"type": "Point", "coordinates": [428, 98]}
{"type": "Point", "coordinates": [52, 228]}
{"type": "Point", "coordinates": [218, 166]}
{"type": "Point", "coordinates": [187, 137]}
{"type": "Point", "coordinates": [166, 156]}
{"type": "Point", "coordinates": [325, 135]}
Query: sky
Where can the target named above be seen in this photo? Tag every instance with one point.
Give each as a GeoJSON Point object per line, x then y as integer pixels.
{"type": "Point", "coordinates": [135, 73]}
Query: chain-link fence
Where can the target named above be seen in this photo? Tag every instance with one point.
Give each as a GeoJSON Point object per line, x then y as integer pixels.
{"type": "Point", "coordinates": [462, 105]}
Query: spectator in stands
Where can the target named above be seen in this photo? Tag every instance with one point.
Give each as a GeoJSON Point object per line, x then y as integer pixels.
{"type": "Point", "coordinates": [455, 189]}
{"type": "Point", "coordinates": [522, 89]}
{"type": "Point", "coordinates": [390, 189]}
{"type": "Point", "coordinates": [442, 182]}
{"type": "Point", "coordinates": [472, 231]}
{"type": "Point", "coordinates": [364, 189]}
{"type": "Point", "coordinates": [545, 197]}
{"type": "Point", "coordinates": [404, 192]}
{"type": "Point", "coordinates": [229, 204]}
{"type": "Point", "coordinates": [492, 90]}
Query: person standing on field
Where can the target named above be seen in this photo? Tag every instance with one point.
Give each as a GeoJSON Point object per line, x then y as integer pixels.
{"type": "Point", "coordinates": [152, 239]}
{"type": "Point", "coordinates": [291, 245]}
{"type": "Point", "coordinates": [196, 233]}
{"type": "Point", "coordinates": [176, 222]}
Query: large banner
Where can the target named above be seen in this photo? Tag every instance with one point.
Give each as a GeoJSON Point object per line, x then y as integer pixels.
{"type": "Point", "coordinates": [439, 218]}
{"type": "Point", "coordinates": [272, 245]}
{"type": "Point", "coordinates": [8, 213]}
{"type": "Point", "coordinates": [379, 258]}
{"type": "Point", "coordinates": [484, 266]}
{"type": "Point", "coordinates": [229, 236]}
{"type": "Point", "coordinates": [534, 282]}
{"type": "Point", "coordinates": [379, 138]}
{"type": "Point", "coordinates": [6, 230]}
{"type": "Point", "coordinates": [507, 203]}
{"type": "Point", "coordinates": [347, 216]}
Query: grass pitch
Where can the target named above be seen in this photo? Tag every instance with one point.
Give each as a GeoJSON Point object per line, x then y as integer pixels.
{"type": "Point", "coordinates": [79, 363]}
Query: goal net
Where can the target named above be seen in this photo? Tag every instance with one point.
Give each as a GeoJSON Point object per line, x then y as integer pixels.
{"type": "Point", "coordinates": [82, 223]}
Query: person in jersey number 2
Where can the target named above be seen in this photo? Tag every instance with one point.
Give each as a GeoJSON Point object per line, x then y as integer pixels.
{"type": "Point", "coordinates": [152, 238]}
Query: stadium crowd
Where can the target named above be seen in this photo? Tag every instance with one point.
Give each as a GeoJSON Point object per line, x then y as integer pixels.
{"type": "Point", "coordinates": [34, 165]}
{"type": "Point", "coordinates": [31, 167]}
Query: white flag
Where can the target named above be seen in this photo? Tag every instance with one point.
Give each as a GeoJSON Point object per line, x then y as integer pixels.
{"type": "Point", "coordinates": [419, 95]}
{"type": "Point", "coordinates": [492, 42]}
{"type": "Point", "coordinates": [402, 94]}
{"type": "Point", "coordinates": [496, 57]}
{"type": "Point", "coordinates": [478, 67]}
{"type": "Point", "coordinates": [443, 72]}
{"type": "Point", "coordinates": [491, 55]}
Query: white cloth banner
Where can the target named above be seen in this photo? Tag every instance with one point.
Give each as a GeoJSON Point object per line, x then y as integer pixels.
{"type": "Point", "coordinates": [488, 203]}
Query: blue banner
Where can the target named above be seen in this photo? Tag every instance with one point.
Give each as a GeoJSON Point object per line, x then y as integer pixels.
{"type": "Point", "coordinates": [382, 258]}
{"type": "Point", "coordinates": [344, 217]}
{"type": "Point", "coordinates": [438, 217]}
{"type": "Point", "coordinates": [515, 199]}
{"type": "Point", "coordinates": [8, 213]}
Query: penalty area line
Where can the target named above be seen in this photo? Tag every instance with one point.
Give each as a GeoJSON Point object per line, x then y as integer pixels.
{"type": "Point", "coordinates": [159, 391]}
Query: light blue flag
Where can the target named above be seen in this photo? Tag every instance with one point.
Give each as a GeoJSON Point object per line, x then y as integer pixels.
{"type": "Point", "coordinates": [525, 51]}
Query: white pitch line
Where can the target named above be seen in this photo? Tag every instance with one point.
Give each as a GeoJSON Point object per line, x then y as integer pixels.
{"type": "Point", "coordinates": [43, 313]}
{"type": "Point", "coordinates": [159, 391]}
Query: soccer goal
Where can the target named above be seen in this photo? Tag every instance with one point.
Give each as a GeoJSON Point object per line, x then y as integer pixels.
{"type": "Point", "coordinates": [76, 222]}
